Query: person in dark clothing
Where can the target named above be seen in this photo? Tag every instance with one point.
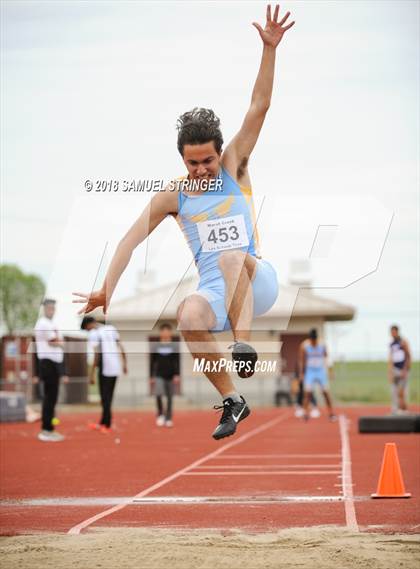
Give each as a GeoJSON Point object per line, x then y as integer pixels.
{"type": "Point", "coordinates": [165, 373]}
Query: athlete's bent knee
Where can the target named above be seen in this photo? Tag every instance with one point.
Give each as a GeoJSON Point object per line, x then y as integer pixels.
{"type": "Point", "coordinates": [192, 315]}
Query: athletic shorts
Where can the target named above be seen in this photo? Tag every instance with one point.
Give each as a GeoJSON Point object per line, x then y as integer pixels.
{"type": "Point", "coordinates": [265, 290]}
{"type": "Point", "coordinates": [315, 375]}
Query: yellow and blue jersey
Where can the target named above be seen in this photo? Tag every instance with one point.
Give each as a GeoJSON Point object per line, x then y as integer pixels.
{"type": "Point", "coordinates": [212, 221]}
{"type": "Point", "coordinates": [220, 220]}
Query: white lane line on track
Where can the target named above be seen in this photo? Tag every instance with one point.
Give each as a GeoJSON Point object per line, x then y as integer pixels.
{"type": "Point", "coordinates": [75, 530]}
{"type": "Point", "coordinates": [229, 456]}
{"type": "Point", "coordinates": [262, 472]}
{"type": "Point", "coordinates": [266, 466]}
{"type": "Point", "coordinates": [346, 477]}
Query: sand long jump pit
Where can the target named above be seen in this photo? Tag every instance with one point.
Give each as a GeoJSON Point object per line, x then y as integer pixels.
{"type": "Point", "coordinates": [306, 548]}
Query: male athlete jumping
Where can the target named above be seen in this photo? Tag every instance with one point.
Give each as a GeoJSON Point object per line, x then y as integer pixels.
{"type": "Point", "coordinates": [218, 222]}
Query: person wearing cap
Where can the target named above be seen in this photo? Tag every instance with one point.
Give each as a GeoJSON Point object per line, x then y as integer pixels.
{"type": "Point", "coordinates": [313, 369]}
{"type": "Point", "coordinates": [108, 350]}
{"type": "Point", "coordinates": [50, 354]}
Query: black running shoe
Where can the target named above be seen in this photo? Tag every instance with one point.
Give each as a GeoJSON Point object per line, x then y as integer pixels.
{"type": "Point", "coordinates": [246, 357]}
{"type": "Point", "coordinates": [233, 413]}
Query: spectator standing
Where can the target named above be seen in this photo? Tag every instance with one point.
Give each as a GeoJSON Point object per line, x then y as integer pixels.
{"type": "Point", "coordinates": [50, 354]}
{"type": "Point", "coordinates": [109, 354]}
{"type": "Point", "coordinates": [399, 363]}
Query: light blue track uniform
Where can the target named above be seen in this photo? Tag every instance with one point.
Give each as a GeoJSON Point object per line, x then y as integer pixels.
{"type": "Point", "coordinates": [315, 370]}
{"type": "Point", "coordinates": [222, 220]}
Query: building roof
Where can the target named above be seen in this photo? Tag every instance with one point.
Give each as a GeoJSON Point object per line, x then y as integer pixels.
{"type": "Point", "coordinates": [166, 299]}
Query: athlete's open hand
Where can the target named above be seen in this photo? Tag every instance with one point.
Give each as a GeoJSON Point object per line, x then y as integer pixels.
{"type": "Point", "coordinates": [93, 300]}
{"type": "Point", "coordinates": [273, 32]}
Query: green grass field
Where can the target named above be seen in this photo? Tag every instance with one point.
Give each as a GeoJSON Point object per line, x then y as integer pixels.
{"type": "Point", "coordinates": [367, 382]}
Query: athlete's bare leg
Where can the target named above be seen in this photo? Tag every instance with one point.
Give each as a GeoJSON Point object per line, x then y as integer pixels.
{"type": "Point", "coordinates": [401, 399]}
{"type": "Point", "coordinates": [305, 404]}
{"type": "Point", "coordinates": [238, 270]}
{"type": "Point", "coordinates": [195, 318]}
{"type": "Point", "coordinates": [328, 401]}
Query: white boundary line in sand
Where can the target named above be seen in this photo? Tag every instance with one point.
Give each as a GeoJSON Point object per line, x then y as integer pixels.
{"type": "Point", "coordinates": [238, 500]}
{"type": "Point", "coordinates": [169, 500]}
{"type": "Point", "coordinates": [75, 530]}
{"type": "Point", "coordinates": [346, 478]}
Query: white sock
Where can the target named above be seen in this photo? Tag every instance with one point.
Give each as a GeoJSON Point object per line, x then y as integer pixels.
{"type": "Point", "coordinates": [234, 396]}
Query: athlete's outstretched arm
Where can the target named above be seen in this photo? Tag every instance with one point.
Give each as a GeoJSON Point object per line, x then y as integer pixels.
{"type": "Point", "coordinates": [239, 150]}
{"type": "Point", "coordinates": [161, 205]}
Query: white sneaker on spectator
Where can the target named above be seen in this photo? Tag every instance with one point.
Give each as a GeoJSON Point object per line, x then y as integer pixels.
{"type": "Point", "coordinates": [315, 413]}
{"type": "Point", "coordinates": [160, 421]}
{"type": "Point", "coordinates": [50, 436]}
{"type": "Point", "coordinates": [169, 423]}
{"type": "Point", "coordinates": [299, 412]}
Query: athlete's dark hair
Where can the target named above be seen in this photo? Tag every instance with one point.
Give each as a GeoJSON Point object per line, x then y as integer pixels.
{"type": "Point", "coordinates": [86, 321]}
{"type": "Point", "coordinates": [198, 127]}
{"type": "Point", "coordinates": [165, 326]}
{"type": "Point", "coordinates": [313, 334]}
{"type": "Point", "coordinates": [395, 327]}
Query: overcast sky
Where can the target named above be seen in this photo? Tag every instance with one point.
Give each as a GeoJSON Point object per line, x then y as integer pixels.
{"type": "Point", "coordinates": [92, 90]}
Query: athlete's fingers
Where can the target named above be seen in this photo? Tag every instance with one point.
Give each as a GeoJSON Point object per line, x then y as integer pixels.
{"type": "Point", "coordinates": [276, 12]}
{"type": "Point", "coordinates": [81, 294]}
{"type": "Point", "coordinates": [259, 28]}
{"type": "Point", "coordinates": [268, 12]}
{"type": "Point", "coordinates": [284, 18]}
{"type": "Point", "coordinates": [288, 27]}
{"type": "Point", "coordinates": [87, 308]}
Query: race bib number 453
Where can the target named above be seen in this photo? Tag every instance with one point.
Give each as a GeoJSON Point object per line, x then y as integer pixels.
{"type": "Point", "coordinates": [222, 234]}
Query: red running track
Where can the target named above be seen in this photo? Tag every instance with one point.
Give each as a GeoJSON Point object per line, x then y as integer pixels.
{"type": "Point", "coordinates": [276, 472]}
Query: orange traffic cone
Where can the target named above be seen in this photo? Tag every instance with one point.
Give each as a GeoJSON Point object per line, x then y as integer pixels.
{"type": "Point", "coordinates": [391, 484]}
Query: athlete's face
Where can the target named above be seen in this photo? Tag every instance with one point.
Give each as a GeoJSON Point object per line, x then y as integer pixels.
{"type": "Point", "coordinates": [394, 333]}
{"type": "Point", "coordinates": [165, 335]}
{"type": "Point", "coordinates": [49, 310]}
{"type": "Point", "coordinates": [202, 160]}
